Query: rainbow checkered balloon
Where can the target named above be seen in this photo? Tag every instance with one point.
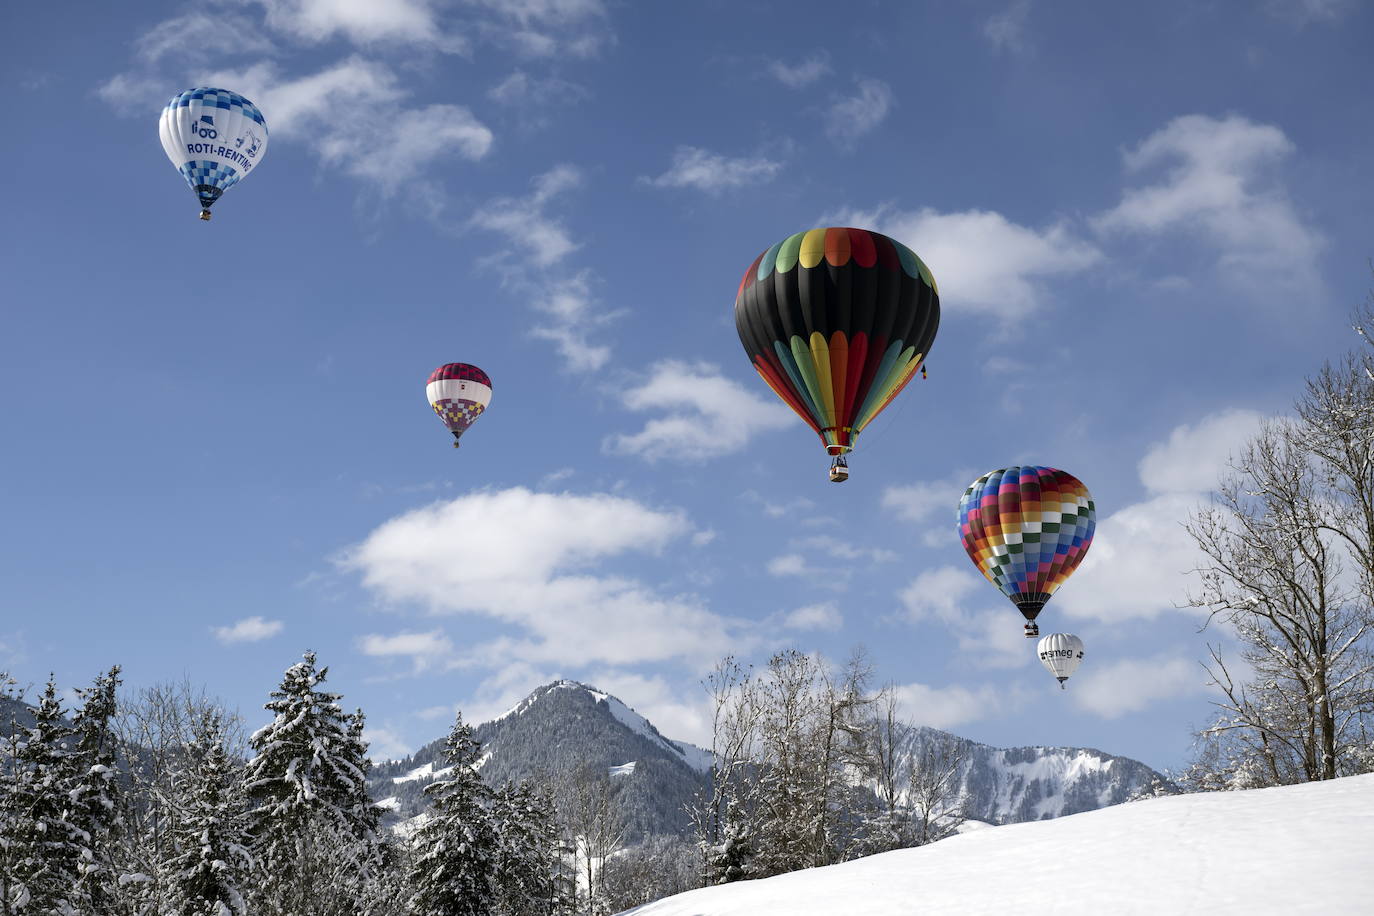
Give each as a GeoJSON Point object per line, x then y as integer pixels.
{"type": "Point", "coordinates": [1027, 529]}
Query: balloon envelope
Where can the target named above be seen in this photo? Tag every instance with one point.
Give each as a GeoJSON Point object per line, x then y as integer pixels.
{"type": "Point", "coordinates": [458, 393]}
{"type": "Point", "coordinates": [214, 137]}
{"type": "Point", "coordinates": [1027, 529]}
{"type": "Point", "coordinates": [836, 321]}
{"type": "Point", "coordinates": [1061, 654]}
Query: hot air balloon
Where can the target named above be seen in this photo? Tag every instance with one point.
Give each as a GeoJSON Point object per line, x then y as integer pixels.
{"type": "Point", "coordinates": [458, 393]}
{"type": "Point", "coordinates": [214, 137]}
{"type": "Point", "coordinates": [1061, 654]}
{"type": "Point", "coordinates": [1027, 529]}
{"type": "Point", "coordinates": [837, 321]}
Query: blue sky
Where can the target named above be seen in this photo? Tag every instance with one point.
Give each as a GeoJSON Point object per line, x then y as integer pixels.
{"type": "Point", "coordinates": [1148, 225]}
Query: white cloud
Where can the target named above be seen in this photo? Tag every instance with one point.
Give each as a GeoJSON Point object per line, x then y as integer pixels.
{"type": "Point", "coordinates": [249, 629]}
{"type": "Point", "coordinates": [713, 173]}
{"type": "Point", "coordinates": [983, 262]}
{"type": "Point", "coordinates": [1007, 29]}
{"type": "Point", "coordinates": [1220, 191]}
{"type": "Point", "coordinates": [823, 616]}
{"type": "Point", "coordinates": [788, 564]}
{"type": "Point", "coordinates": [946, 707]}
{"type": "Point", "coordinates": [1195, 456]}
{"type": "Point", "coordinates": [423, 649]}
{"type": "Point", "coordinates": [534, 562]}
{"type": "Point", "coordinates": [548, 28]}
{"type": "Point", "coordinates": [382, 142]}
{"type": "Point", "coordinates": [922, 501]}
{"type": "Point", "coordinates": [538, 242]}
{"type": "Point", "coordinates": [991, 638]}
{"type": "Point", "coordinates": [851, 117]}
{"type": "Point", "coordinates": [522, 89]}
{"type": "Point", "coordinates": [134, 94]}
{"type": "Point", "coordinates": [363, 22]}
{"type": "Point", "coordinates": [200, 34]}
{"type": "Point", "coordinates": [1131, 685]}
{"type": "Point", "coordinates": [523, 220]}
{"type": "Point", "coordinates": [384, 744]}
{"type": "Point", "coordinates": [803, 73]}
{"type": "Point", "coordinates": [1140, 558]}
{"type": "Point", "coordinates": [413, 140]}
{"type": "Point", "coordinates": [707, 414]}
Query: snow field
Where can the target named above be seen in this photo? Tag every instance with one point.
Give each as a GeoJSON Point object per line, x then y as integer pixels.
{"type": "Point", "coordinates": [1294, 849]}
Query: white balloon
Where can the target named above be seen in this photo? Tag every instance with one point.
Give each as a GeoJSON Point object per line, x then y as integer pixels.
{"type": "Point", "coordinates": [214, 137]}
{"type": "Point", "coordinates": [1060, 653]}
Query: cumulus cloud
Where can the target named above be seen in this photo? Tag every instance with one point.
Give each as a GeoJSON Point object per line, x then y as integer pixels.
{"type": "Point", "coordinates": [535, 562]}
{"type": "Point", "coordinates": [823, 616]}
{"type": "Point", "coordinates": [249, 629]}
{"type": "Point", "coordinates": [713, 173]}
{"type": "Point", "coordinates": [1131, 685]}
{"type": "Point", "coordinates": [383, 142]}
{"type": "Point", "coordinates": [946, 707]}
{"type": "Point", "coordinates": [1141, 555]}
{"type": "Point", "coordinates": [1221, 190]}
{"type": "Point", "coordinates": [384, 744]}
{"type": "Point", "coordinates": [423, 649]}
{"type": "Point", "coordinates": [991, 634]}
{"type": "Point", "coordinates": [983, 262]}
{"type": "Point", "coordinates": [850, 117]}
{"type": "Point", "coordinates": [803, 73]}
{"type": "Point", "coordinates": [787, 564]}
{"type": "Point", "coordinates": [363, 22]}
{"type": "Point", "coordinates": [707, 414]}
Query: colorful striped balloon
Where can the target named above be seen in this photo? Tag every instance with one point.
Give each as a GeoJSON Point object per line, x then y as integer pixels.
{"type": "Point", "coordinates": [837, 321]}
{"type": "Point", "coordinates": [1027, 529]}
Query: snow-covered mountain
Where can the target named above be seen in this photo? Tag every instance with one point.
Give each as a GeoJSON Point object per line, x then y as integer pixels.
{"type": "Point", "coordinates": [551, 733]}
{"type": "Point", "coordinates": [1011, 785]}
{"type": "Point", "coordinates": [564, 725]}
{"type": "Point", "coordinates": [1294, 849]}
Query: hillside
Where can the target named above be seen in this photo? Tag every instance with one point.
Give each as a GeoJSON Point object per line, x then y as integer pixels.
{"type": "Point", "coordinates": [566, 724]}
{"type": "Point", "coordinates": [1295, 849]}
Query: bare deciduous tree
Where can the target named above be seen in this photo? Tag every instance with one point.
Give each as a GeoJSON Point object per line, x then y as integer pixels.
{"type": "Point", "coordinates": [1289, 547]}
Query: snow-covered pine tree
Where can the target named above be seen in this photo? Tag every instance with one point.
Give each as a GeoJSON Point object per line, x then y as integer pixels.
{"type": "Point", "coordinates": [208, 875]}
{"type": "Point", "coordinates": [96, 805]}
{"type": "Point", "coordinates": [40, 855]}
{"type": "Point", "coordinates": [313, 831]}
{"type": "Point", "coordinates": [454, 852]}
{"type": "Point", "coordinates": [527, 851]}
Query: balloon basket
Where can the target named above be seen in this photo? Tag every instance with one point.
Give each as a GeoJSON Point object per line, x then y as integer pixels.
{"type": "Point", "coordinates": [839, 470]}
{"type": "Point", "coordinates": [1032, 630]}
{"type": "Point", "coordinates": [204, 214]}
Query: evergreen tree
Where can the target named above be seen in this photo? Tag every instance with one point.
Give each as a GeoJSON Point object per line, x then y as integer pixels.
{"type": "Point", "coordinates": [312, 828]}
{"type": "Point", "coordinates": [527, 850]}
{"type": "Point", "coordinates": [95, 795]}
{"type": "Point", "coordinates": [455, 853]}
{"type": "Point", "coordinates": [209, 871]}
{"type": "Point", "coordinates": [40, 853]}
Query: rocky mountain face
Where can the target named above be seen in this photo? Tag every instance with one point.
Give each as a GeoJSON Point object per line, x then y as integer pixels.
{"type": "Point", "coordinates": [557, 729]}
{"type": "Point", "coordinates": [566, 725]}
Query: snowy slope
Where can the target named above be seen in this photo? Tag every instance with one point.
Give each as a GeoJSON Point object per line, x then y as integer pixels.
{"type": "Point", "coordinates": [1296, 849]}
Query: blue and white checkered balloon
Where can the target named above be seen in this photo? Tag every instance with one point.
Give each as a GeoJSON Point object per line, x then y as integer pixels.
{"type": "Point", "coordinates": [214, 137]}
